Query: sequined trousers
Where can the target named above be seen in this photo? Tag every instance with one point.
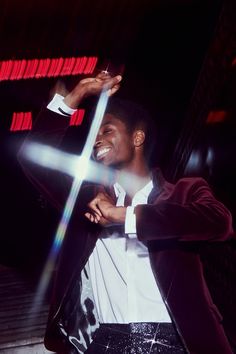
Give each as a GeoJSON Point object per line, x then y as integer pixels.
{"type": "Point", "coordinates": [136, 338]}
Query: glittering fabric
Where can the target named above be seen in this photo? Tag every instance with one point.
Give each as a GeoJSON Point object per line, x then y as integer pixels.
{"type": "Point", "coordinates": [136, 338]}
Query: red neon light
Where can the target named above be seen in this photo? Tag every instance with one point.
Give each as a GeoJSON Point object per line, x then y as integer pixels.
{"type": "Point", "coordinates": [27, 121]}
{"type": "Point", "coordinates": [52, 68]}
{"type": "Point", "coordinates": [88, 66]}
{"type": "Point", "coordinates": [21, 121]}
{"type": "Point", "coordinates": [68, 66]}
{"type": "Point", "coordinates": [216, 117]}
{"type": "Point", "coordinates": [77, 117]}
{"type": "Point", "coordinates": [22, 68]}
{"type": "Point", "coordinates": [42, 68]}
{"type": "Point", "coordinates": [59, 65]}
{"type": "Point", "coordinates": [6, 69]}
{"type": "Point", "coordinates": [15, 69]}
{"type": "Point", "coordinates": [13, 122]}
{"type": "Point", "coordinates": [39, 68]}
{"type": "Point", "coordinates": [31, 67]}
{"type": "Point", "coordinates": [77, 66]}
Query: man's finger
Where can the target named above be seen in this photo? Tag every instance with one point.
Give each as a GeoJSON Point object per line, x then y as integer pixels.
{"type": "Point", "coordinates": [93, 205]}
{"type": "Point", "coordinates": [113, 90]}
{"type": "Point", "coordinates": [93, 217]}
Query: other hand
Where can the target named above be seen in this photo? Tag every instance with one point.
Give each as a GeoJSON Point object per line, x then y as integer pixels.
{"type": "Point", "coordinates": [102, 210]}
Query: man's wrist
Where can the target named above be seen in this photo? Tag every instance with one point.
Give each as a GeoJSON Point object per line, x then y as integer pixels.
{"type": "Point", "coordinates": [74, 98]}
{"type": "Point", "coordinates": [118, 214]}
{"type": "Point", "coordinates": [58, 105]}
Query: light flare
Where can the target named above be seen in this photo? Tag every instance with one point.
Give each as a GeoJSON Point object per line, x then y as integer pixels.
{"type": "Point", "coordinates": [77, 182]}
{"type": "Point", "coordinates": [80, 168]}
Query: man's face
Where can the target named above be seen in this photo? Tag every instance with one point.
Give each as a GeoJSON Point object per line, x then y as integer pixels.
{"type": "Point", "coordinates": [114, 144]}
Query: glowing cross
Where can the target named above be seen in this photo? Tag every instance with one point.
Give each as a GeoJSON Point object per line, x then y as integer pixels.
{"type": "Point", "coordinates": [77, 182]}
{"type": "Point", "coordinates": [80, 168]}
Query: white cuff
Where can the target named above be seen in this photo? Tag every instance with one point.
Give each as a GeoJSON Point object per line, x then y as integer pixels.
{"type": "Point", "coordinates": [130, 222]}
{"type": "Point", "coordinates": [58, 105]}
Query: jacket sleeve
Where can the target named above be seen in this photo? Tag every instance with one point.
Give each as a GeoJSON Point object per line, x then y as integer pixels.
{"type": "Point", "coordinates": [49, 128]}
{"type": "Point", "coordinates": [189, 213]}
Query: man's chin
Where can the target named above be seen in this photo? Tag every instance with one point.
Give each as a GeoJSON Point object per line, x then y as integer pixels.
{"type": "Point", "coordinates": [109, 163]}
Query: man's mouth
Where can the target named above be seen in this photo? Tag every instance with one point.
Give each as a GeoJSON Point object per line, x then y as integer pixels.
{"type": "Point", "coordinates": [102, 152]}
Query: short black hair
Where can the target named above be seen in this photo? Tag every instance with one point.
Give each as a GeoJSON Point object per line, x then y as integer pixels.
{"type": "Point", "coordinates": [134, 116]}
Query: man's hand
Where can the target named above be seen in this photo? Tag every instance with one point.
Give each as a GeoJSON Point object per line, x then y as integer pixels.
{"type": "Point", "coordinates": [92, 86]}
{"type": "Point", "coordinates": [102, 210]}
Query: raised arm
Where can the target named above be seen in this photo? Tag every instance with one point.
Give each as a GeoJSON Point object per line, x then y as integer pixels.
{"type": "Point", "coordinates": [49, 128]}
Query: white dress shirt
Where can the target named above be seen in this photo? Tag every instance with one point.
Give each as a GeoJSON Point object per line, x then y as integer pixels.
{"type": "Point", "coordinates": [123, 283]}
{"type": "Point", "coordinates": [122, 280]}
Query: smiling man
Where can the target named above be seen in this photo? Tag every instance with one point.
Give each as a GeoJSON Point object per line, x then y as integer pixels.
{"type": "Point", "coordinates": [129, 279]}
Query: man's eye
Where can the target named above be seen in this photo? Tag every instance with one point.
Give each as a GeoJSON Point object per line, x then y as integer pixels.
{"type": "Point", "coordinates": [107, 131]}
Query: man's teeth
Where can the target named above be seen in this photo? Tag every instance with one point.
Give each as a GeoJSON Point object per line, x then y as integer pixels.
{"type": "Point", "coordinates": [102, 151]}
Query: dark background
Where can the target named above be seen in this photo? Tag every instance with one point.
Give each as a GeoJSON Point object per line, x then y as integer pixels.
{"type": "Point", "coordinates": [179, 59]}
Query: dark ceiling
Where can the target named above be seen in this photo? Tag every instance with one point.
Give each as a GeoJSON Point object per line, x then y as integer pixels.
{"type": "Point", "coordinates": [162, 44]}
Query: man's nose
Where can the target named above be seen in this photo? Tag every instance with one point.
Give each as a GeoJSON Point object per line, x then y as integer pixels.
{"type": "Point", "coordinates": [98, 141]}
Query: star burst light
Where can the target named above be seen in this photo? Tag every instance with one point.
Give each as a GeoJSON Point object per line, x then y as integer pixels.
{"type": "Point", "coordinates": [80, 168]}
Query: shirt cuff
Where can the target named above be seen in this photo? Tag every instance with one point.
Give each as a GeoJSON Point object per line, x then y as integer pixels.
{"type": "Point", "coordinates": [58, 105]}
{"type": "Point", "coordinates": [130, 222]}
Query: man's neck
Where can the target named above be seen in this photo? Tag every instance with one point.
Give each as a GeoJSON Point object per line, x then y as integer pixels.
{"type": "Point", "coordinates": [131, 182]}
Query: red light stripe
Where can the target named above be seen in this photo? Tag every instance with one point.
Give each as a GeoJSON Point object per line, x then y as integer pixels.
{"type": "Point", "coordinates": [15, 69]}
{"type": "Point", "coordinates": [60, 62]}
{"type": "Point", "coordinates": [52, 67]}
{"type": "Point", "coordinates": [6, 69]}
{"type": "Point", "coordinates": [80, 116]}
{"type": "Point", "coordinates": [76, 66]}
{"type": "Point", "coordinates": [22, 69]}
{"type": "Point", "coordinates": [73, 118]}
{"type": "Point", "coordinates": [73, 63]}
{"type": "Point", "coordinates": [46, 67]}
{"type": "Point", "coordinates": [77, 117]}
{"type": "Point", "coordinates": [83, 64]}
{"type": "Point", "coordinates": [4, 66]}
{"type": "Point", "coordinates": [21, 121]}
{"type": "Point", "coordinates": [28, 69]}
{"type": "Point", "coordinates": [216, 116]}
{"type": "Point", "coordinates": [88, 66]}
{"type": "Point", "coordinates": [66, 68]}
{"type": "Point", "coordinates": [13, 122]}
{"type": "Point", "coordinates": [27, 121]}
{"type": "Point", "coordinates": [24, 116]}
{"type": "Point", "coordinates": [35, 67]}
{"type": "Point", "coordinates": [91, 63]}
{"type": "Point", "coordinates": [31, 67]}
{"type": "Point", "coordinates": [94, 61]}
{"type": "Point", "coordinates": [37, 73]}
{"type": "Point", "coordinates": [39, 68]}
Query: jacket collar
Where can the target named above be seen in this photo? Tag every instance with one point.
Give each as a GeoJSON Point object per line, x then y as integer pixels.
{"type": "Point", "coordinates": [158, 185]}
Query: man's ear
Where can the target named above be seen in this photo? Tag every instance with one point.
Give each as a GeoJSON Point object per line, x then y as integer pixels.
{"type": "Point", "coordinates": [139, 137]}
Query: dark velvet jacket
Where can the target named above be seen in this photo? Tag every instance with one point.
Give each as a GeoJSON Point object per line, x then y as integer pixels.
{"type": "Point", "coordinates": [178, 219]}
